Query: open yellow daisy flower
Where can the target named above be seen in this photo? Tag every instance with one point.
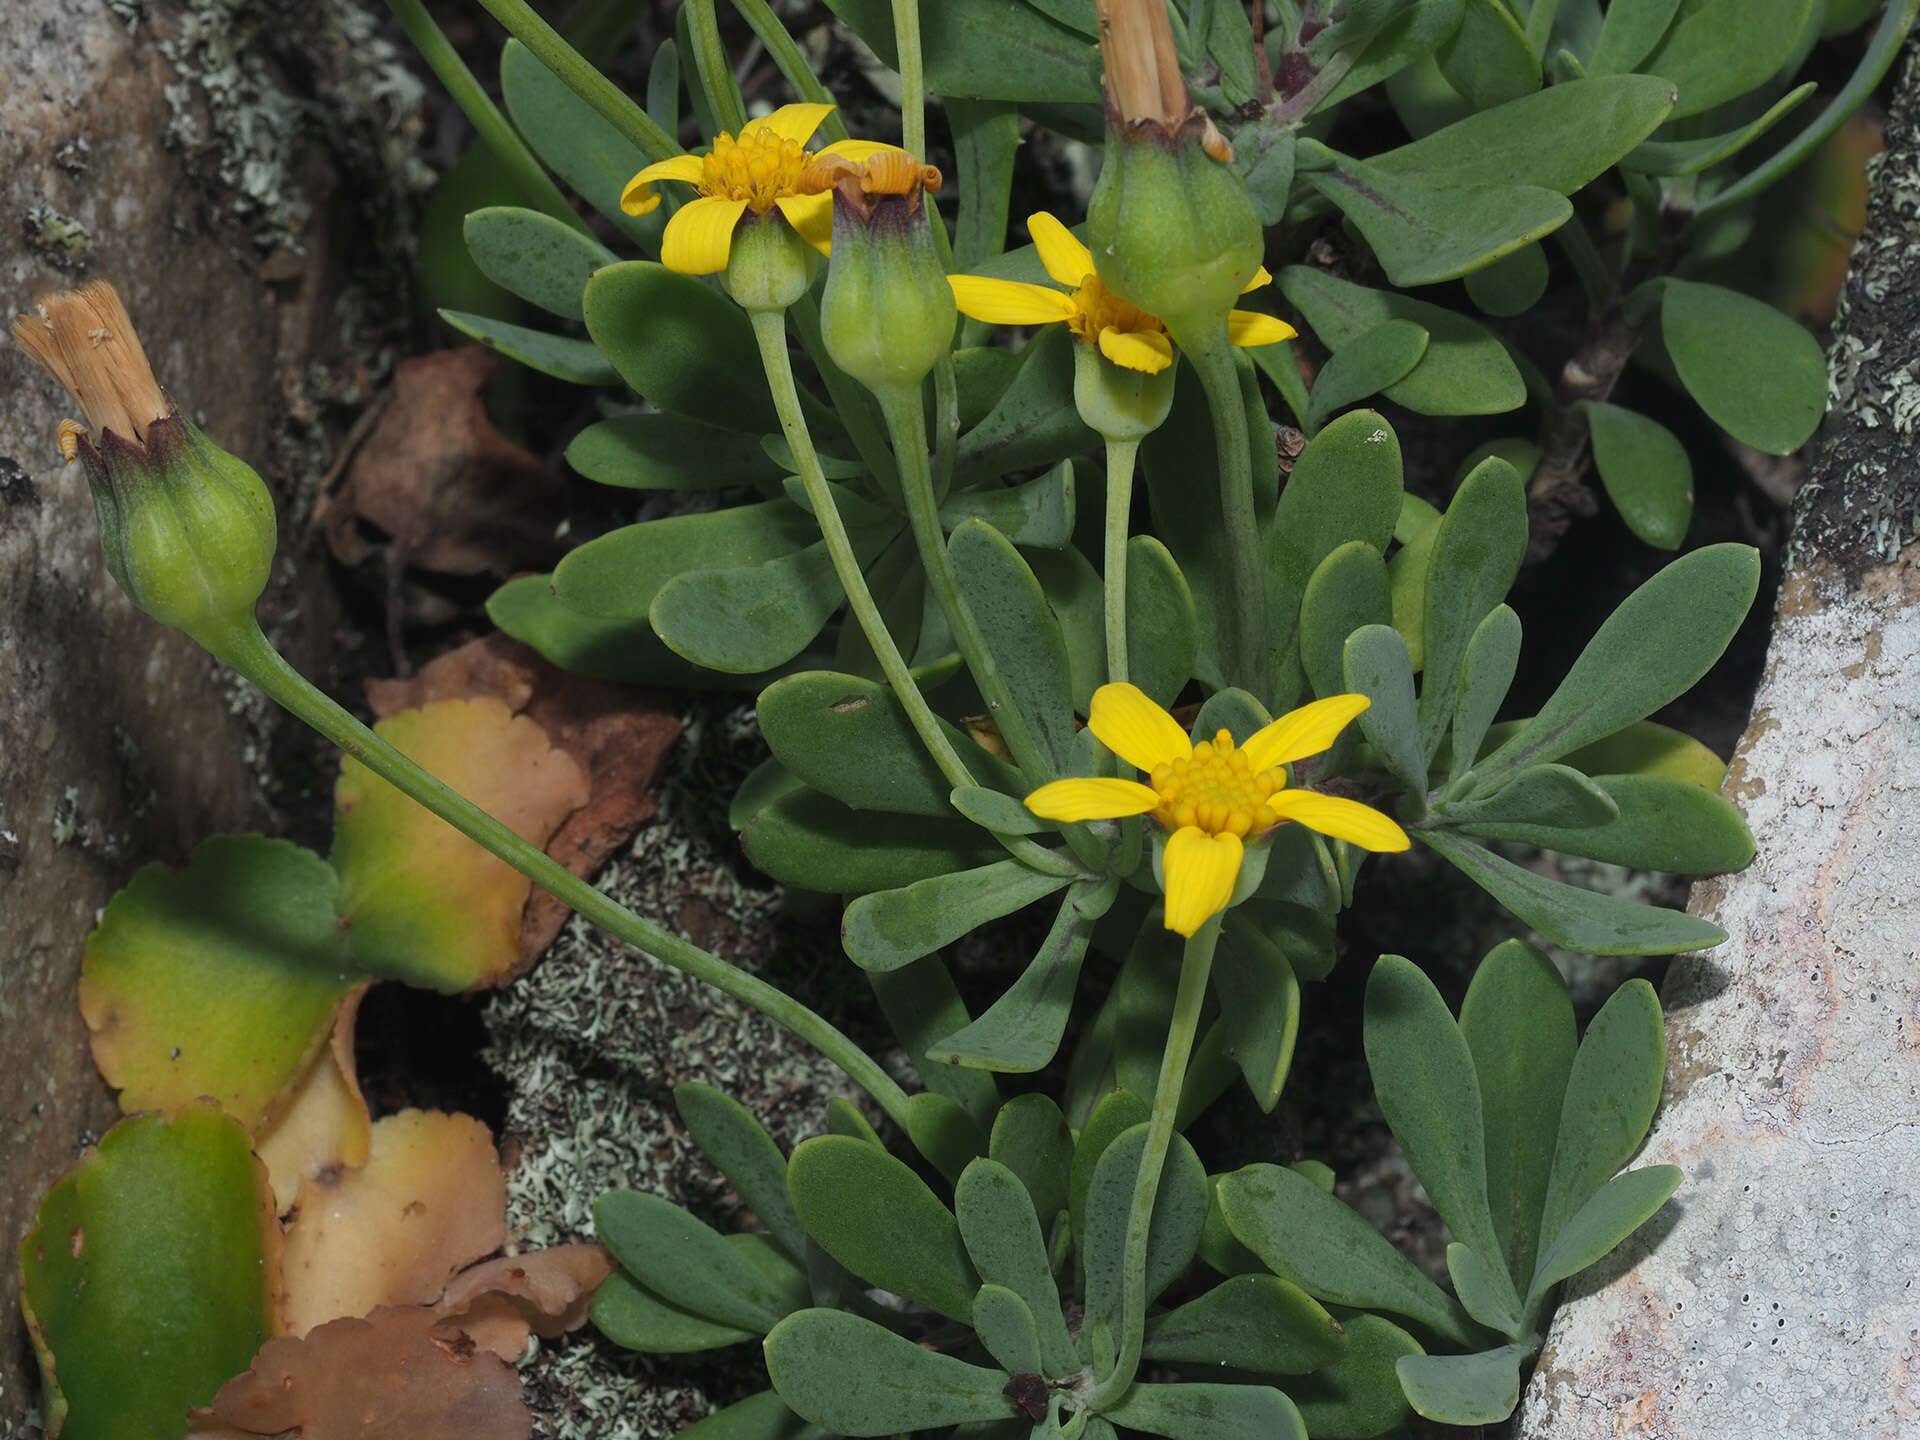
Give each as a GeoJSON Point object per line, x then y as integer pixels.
{"type": "Point", "coordinates": [1126, 334]}
{"type": "Point", "coordinates": [760, 171]}
{"type": "Point", "coordinates": [1214, 795]}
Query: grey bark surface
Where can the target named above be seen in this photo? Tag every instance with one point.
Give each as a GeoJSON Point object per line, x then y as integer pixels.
{"type": "Point", "coordinates": [150, 145]}
{"type": "Point", "coordinates": [1776, 1295]}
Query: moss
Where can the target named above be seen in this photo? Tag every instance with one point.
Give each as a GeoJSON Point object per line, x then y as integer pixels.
{"type": "Point", "coordinates": [61, 240]}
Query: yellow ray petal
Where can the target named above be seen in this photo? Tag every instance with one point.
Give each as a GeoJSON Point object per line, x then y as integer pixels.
{"type": "Point", "coordinates": [1009, 302]}
{"type": "Point", "coordinates": [1137, 349]}
{"type": "Point", "coordinates": [1249, 327]}
{"type": "Point", "coordinates": [1348, 820]}
{"type": "Point", "coordinates": [795, 122]}
{"type": "Point", "coordinates": [812, 216]}
{"type": "Point", "coordinates": [858, 151]}
{"type": "Point", "coordinates": [639, 198]}
{"type": "Point", "coordinates": [1124, 720]}
{"type": "Point", "coordinates": [1065, 258]}
{"type": "Point", "coordinates": [1303, 732]}
{"type": "Point", "coordinates": [1096, 799]}
{"type": "Point", "coordinates": [1200, 870]}
{"type": "Point", "coordinates": [678, 167]}
{"type": "Point", "coordinates": [1262, 276]}
{"type": "Point", "coordinates": [700, 235]}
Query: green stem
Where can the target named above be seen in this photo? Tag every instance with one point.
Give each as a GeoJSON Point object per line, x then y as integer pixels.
{"type": "Point", "coordinates": [946, 421]}
{"type": "Point", "coordinates": [1120, 458]}
{"type": "Point", "coordinates": [248, 652]}
{"type": "Point", "coordinates": [907, 427]}
{"type": "Point", "coordinates": [852, 401]}
{"type": "Point", "coordinates": [769, 329]}
{"type": "Point", "coordinates": [1211, 355]}
{"type": "Point", "coordinates": [485, 117]}
{"type": "Point", "coordinates": [581, 77]}
{"type": "Point", "coordinates": [913, 78]}
{"type": "Point", "coordinates": [1195, 966]}
{"type": "Point", "coordinates": [716, 74]}
{"type": "Point", "coordinates": [791, 61]}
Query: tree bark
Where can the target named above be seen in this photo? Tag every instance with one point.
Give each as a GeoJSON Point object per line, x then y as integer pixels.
{"type": "Point", "coordinates": [1776, 1295]}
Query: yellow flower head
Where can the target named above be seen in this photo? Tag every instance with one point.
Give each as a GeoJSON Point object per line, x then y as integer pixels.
{"type": "Point", "coordinates": [1214, 795]}
{"type": "Point", "coordinates": [1125, 334]}
{"type": "Point", "coordinates": [763, 169]}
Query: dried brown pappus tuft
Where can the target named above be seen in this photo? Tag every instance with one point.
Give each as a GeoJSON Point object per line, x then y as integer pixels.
{"type": "Point", "coordinates": [1145, 89]}
{"type": "Point", "coordinates": [84, 339]}
{"type": "Point", "coordinates": [863, 183]}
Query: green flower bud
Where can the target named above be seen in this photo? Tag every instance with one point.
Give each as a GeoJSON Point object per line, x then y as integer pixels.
{"type": "Point", "coordinates": [769, 266]}
{"type": "Point", "coordinates": [188, 530]}
{"type": "Point", "coordinates": [887, 315]}
{"type": "Point", "coordinates": [1119, 404]}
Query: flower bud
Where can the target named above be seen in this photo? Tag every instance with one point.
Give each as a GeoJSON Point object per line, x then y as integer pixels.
{"type": "Point", "coordinates": [887, 315]}
{"type": "Point", "coordinates": [1119, 404]}
{"type": "Point", "coordinates": [1170, 224]}
{"type": "Point", "coordinates": [769, 266]}
{"type": "Point", "coordinates": [187, 529]}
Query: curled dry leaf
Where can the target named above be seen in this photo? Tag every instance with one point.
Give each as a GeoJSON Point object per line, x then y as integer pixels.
{"type": "Point", "coordinates": [324, 1127]}
{"type": "Point", "coordinates": [544, 1292]}
{"type": "Point", "coordinates": [425, 904]}
{"type": "Point", "coordinates": [439, 483]}
{"type": "Point", "coordinates": [389, 1374]}
{"type": "Point", "coordinates": [620, 736]}
{"type": "Point", "coordinates": [430, 1201]}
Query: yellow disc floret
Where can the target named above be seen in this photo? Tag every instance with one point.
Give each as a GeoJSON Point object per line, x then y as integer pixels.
{"type": "Point", "coordinates": [1217, 790]}
{"type": "Point", "coordinates": [1098, 309]}
{"type": "Point", "coordinates": [759, 168]}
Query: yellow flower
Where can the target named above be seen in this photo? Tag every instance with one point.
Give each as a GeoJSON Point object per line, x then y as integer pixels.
{"type": "Point", "coordinates": [760, 171]}
{"type": "Point", "coordinates": [1213, 795]}
{"type": "Point", "coordinates": [1125, 333]}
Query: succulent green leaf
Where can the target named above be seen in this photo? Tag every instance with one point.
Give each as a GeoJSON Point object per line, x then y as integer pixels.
{"type": "Point", "coordinates": [1567, 915]}
{"type": "Point", "coordinates": [1617, 1209]}
{"type": "Point", "coordinates": [1410, 35]}
{"type": "Point", "coordinates": [1260, 1009]}
{"type": "Point", "coordinates": [1664, 824]}
{"type": "Point", "coordinates": [682, 345]}
{"type": "Point", "coordinates": [1031, 1138]}
{"type": "Point", "coordinates": [889, 928]}
{"type": "Point", "coordinates": [1008, 1246]}
{"type": "Point", "coordinates": [761, 1416]}
{"type": "Point", "coordinates": [922, 1004]}
{"type": "Point", "coordinates": [1163, 627]}
{"type": "Point", "coordinates": [619, 575]}
{"type": "Point", "coordinates": [1689, 157]}
{"type": "Point", "coordinates": [577, 362]}
{"type": "Point", "coordinates": [1077, 598]}
{"type": "Point", "coordinates": [1039, 512]}
{"type": "Point", "coordinates": [811, 840]}
{"type": "Point", "coordinates": [1259, 1323]}
{"type": "Point", "coordinates": [1376, 664]}
{"type": "Point", "coordinates": [1518, 1021]}
{"type": "Point", "coordinates": [986, 50]}
{"type": "Point", "coordinates": [571, 138]}
{"type": "Point", "coordinates": [876, 1217]}
{"type": "Point", "coordinates": [1759, 375]}
{"type": "Point", "coordinates": [146, 1279]}
{"type": "Point", "coordinates": [1310, 1239]}
{"type": "Point", "coordinates": [1365, 366]}
{"type": "Point", "coordinates": [1020, 1032]}
{"type": "Point", "coordinates": [1004, 1325]}
{"type": "Point", "coordinates": [541, 259]}
{"type": "Point", "coordinates": [692, 1267]}
{"type": "Point", "coordinates": [1486, 674]}
{"type": "Point", "coordinates": [1484, 1288]}
{"type": "Point", "coordinates": [1423, 1076]}
{"type": "Point", "coordinates": [1209, 1412]}
{"type": "Point", "coordinates": [1348, 590]}
{"type": "Point", "coordinates": [1002, 814]}
{"type": "Point", "coordinates": [1646, 472]}
{"type": "Point", "coordinates": [1644, 748]}
{"type": "Point", "coordinates": [1466, 370]}
{"type": "Point", "coordinates": [1478, 1389]}
{"type": "Point", "coordinates": [669, 452]}
{"type": "Point", "coordinates": [633, 1317]}
{"type": "Point", "coordinates": [856, 1378]}
{"type": "Point", "coordinates": [1513, 284]}
{"type": "Point", "coordinates": [1358, 1396]}
{"type": "Point", "coordinates": [1612, 1093]}
{"type": "Point", "coordinates": [1476, 555]}
{"type": "Point", "coordinates": [1488, 59]}
{"type": "Point", "coordinates": [1719, 50]}
{"type": "Point", "coordinates": [1034, 423]}
{"type": "Point", "coordinates": [1661, 639]}
{"type": "Point", "coordinates": [947, 1137]}
{"type": "Point", "coordinates": [1117, 1112]}
{"type": "Point", "coordinates": [623, 651]}
{"type": "Point", "coordinates": [1555, 796]}
{"type": "Point", "coordinates": [1022, 633]}
{"type": "Point", "coordinates": [986, 138]}
{"type": "Point", "coordinates": [1628, 34]}
{"type": "Point", "coordinates": [851, 739]}
{"type": "Point", "coordinates": [1173, 1236]}
{"type": "Point", "coordinates": [742, 1150]}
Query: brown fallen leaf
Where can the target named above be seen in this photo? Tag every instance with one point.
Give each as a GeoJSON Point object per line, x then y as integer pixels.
{"type": "Point", "coordinates": [386, 1377]}
{"type": "Point", "coordinates": [543, 1292]}
{"type": "Point", "coordinates": [443, 487]}
{"type": "Point", "coordinates": [430, 1201]}
{"type": "Point", "coordinates": [324, 1127]}
{"type": "Point", "coordinates": [620, 736]}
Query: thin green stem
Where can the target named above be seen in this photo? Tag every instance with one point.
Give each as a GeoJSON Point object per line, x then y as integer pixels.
{"type": "Point", "coordinates": [1211, 355]}
{"type": "Point", "coordinates": [946, 422]}
{"type": "Point", "coordinates": [710, 59]}
{"type": "Point", "coordinates": [913, 78]}
{"type": "Point", "coordinates": [907, 426]}
{"type": "Point", "coordinates": [769, 329]}
{"type": "Point", "coordinates": [248, 652]}
{"type": "Point", "coordinates": [581, 77]}
{"type": "Point", "coordinates": [485, 117]}
{"type": "Point", "coordinates": [791, 61]}
{"type": "Point", "coordinates": [852, 401]}
{"type": "Point", "coordinates": [1195, 966]}
{"type": "Point", "coordinates": [1120, 458]}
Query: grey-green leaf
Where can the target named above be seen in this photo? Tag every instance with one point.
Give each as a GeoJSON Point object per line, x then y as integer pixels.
{"type": "Point", "coordinates": [1368, 364]}
{"type": "Point", "coordinates": [1020, 1032]}
{"type": "Point", "coordinates": [1759, 375]}
{"type": "Point", "coordinates": [541, 259]}
{"type": "Point", "coordinates": [1617, 1209]}
{"type": "Point", "coordinates": [1664, 824]}
{"type": "Point", "coordinates": [1486, 674]}
{"type": "Point", "coordinates": [1209, 1412]}
{"type": "Point", "coordinates": [576, 361]}
{"type": "Point", "coordinates": [1004, 1236]}
{"type": "Point", "coordinates": [1488, 59]}
{"type": "Point", "coordinates": [1348, 589]}
{"type": "Point", "coordinates": [633, 1317]}
{"type": "Point", "coordinates": [746, 1154]}
{"type": "Point", "coordinates": [669, 452]}
{"type": "Point", "coordinates": [1646, 472]}
{"type": "Point", "coordinates": [1031, 1138]}
{"type": "Point", "coordinates": [1179, 1214]}
{"type": "Point", "coordinates": [1549, 795]}
{"type": "Point", "coordinates": [1004, 1324]}
{"type": "Point", "coordinates": [1247, 1322]}
{"type": "Point", "coordinates": [1163, 627]}
{"type": "Point", "coordinates": [1718, 50]}
{"type": "Point", "coordinates": [1478, 1389]}
{"type": "Point", "coordinates": [1358, 1396]}
{"type": "Point", "coordinates": [888, 928]}
{"type": "Point", "coordinates": [855, 1378]}
{"type": "Point", "coordinates": [1260, 1007]}
{"type": "Point", "coordinates": [689, 1265]}
{"type": "Point", "coordinates": [572, 139]}
{"type": "Point", "coordinates": [1485, 1288]}
{"type": "Point", "coordinates": [1022, 634]}
{"type": "Point", "coordinates": [1376, 665]}
{"type": "Point", "coordinates": [1476, 555]}
{"type": "Point", "coordinates": [1039, 512]}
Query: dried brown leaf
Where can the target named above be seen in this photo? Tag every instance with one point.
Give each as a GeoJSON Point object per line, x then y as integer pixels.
{"type": "Point", "coordinates": [324, 1127]}
{"type": "Point", "coordinates": [545, 1292]}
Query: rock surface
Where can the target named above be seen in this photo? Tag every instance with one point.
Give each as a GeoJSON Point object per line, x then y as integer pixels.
{"type": "Point", "coordinates": [119, 742]}
{"type": "Point", "coordinates": [1776, 1295]}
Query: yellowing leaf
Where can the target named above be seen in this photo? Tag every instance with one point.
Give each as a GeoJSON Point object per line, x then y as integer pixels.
{"type": "Point", "coordinates": [426, 904]}
{"type": "Point", "coordinates": [324, 1126]}
{"type": "Point", "coordinates": [429, 1202]}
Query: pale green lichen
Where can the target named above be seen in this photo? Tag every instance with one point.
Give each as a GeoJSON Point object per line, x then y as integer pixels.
{"type": "Point", "coordinates": [60, 239]}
